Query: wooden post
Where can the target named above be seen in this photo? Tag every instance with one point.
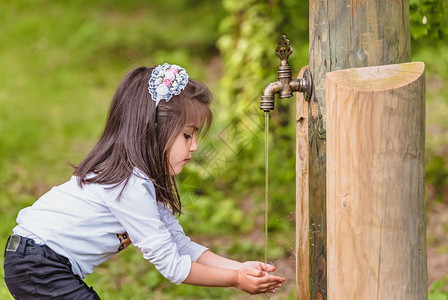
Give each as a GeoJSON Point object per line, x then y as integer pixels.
{"type": "Point", "coordinates": [302, 202]}
{"type": "Point", "coordinates": [375, 183]}
{"type": "Point", "coordinates": [343, 34]}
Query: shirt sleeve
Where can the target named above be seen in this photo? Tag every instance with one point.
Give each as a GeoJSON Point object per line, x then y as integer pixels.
{"type": "Point", "coordinates": [184, 244]}
{"type": "Point", "coordinates": [138, 213]}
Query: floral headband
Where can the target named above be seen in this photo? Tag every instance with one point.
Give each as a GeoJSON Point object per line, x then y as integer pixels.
{"type": "Point", "coordinates": [167, 80]}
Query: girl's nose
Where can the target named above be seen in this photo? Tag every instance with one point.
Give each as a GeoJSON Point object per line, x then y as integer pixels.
{"type": "Point", "coordinates": [194, 144]}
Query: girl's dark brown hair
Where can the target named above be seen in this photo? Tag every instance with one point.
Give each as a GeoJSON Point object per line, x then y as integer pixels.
{"type": "Point", "coordinates": [139, 135]}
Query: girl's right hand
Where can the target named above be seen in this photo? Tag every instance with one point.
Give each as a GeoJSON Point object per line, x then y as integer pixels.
{"type": "Point", "coordinates": [255, 281]}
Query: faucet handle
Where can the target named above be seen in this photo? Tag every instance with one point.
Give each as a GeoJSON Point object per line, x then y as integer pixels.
{"type": "Point", "coordinates": [283, 50]}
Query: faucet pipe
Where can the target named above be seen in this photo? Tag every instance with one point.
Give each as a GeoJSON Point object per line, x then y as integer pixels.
{"type": "Point", "coordinates": [285, 87]}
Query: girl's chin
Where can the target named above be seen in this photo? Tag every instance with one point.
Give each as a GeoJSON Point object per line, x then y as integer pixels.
{"type": "Point", "coordinates": [178, 168]}
{"type": "Point", "coordinates": [176, 171]}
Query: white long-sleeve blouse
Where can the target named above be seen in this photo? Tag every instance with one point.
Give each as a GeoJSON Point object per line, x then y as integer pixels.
{"type": "Point", "coordinates": [87, 224]}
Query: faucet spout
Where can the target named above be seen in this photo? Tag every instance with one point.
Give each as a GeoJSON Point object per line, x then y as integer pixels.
{"type": "Point", "coordinates": [267, 101]}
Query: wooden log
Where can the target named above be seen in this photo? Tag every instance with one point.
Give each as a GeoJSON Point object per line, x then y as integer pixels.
{"type": "Point", "coordinates": [344, 34]}
{"type": "Point", "coordinates": [376, 240]}
{"type": "Point", "coordinates": [302, 201]}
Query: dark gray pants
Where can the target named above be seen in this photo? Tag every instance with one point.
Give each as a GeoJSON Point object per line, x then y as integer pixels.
{"type": "Point", "coordinates": [36, 272]}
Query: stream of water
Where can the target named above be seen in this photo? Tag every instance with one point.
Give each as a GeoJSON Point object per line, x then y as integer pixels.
{"type": "Point", "coordinates": [266, 188]}
{"type": "Point", "coordinates": [266, 185]}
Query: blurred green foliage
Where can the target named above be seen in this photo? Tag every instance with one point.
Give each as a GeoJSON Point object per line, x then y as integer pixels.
{"type": "Point", "coordinates": [428, 19]}
{"type": "Point", "coordinates": [61, 63]}
{"type": "Point", "coordinates": [436, 291]}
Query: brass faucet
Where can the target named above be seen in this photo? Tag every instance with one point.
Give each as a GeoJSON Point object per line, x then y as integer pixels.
{"type": "Point", "coordinates": [285, 85]}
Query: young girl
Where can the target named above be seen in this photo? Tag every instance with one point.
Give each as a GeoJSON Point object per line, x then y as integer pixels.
{"type": "Point", "coordinates": [123, 192]}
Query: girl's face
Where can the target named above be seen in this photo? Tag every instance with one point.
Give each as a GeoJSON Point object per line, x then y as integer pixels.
{"type": "Point", "coordinates": [183, 146]}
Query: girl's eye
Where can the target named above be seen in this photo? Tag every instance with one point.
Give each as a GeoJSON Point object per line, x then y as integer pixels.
{"type": "Point", "coordinates": [187, 136]}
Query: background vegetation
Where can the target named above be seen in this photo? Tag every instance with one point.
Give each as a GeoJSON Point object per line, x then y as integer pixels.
{"type": "Point", "coordinates": [62, 60]}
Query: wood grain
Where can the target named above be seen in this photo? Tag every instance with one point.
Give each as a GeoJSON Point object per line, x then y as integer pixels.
{"type": "Point", "coordinates": [376, 240]}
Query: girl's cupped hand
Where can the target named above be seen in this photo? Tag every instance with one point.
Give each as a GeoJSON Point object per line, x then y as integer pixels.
{"type": "Point", "coordinates": [253, 278]}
